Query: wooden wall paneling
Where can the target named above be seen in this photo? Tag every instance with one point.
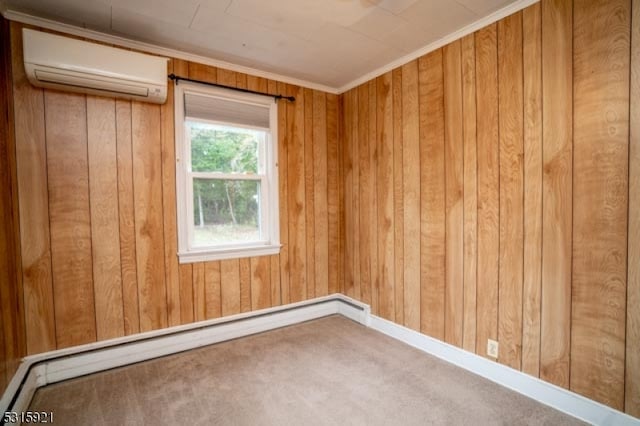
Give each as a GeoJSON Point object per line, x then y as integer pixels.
{"type": "Point", "coordinates": [632, 379]}
{"type": "Point", "coordinates": [195, 71]}
{"type": "Point", "coordinates": [309, 184]}
{"type": "Point", "coordinates": [488, 187]}
{"type": "Point", "coordinates": [364, 194]}
{"type": "Point", "coordinates": [557, 124]}
{"type": "Point", "coordinates": [212, 290]}
{"type": "Point", "coordinates": [296, 188]}
{"type": "Point", "coordinates": [510, 81]}
{"type": "Point", "coordinates": [373, 207]}
{"type": "Point", "coordinates": [35, 243]}
{"type": "Point", "coordinates": [272, 88]}
{"type": "Point", "coordinates": [398, 194]}
{"type": "Point", "coordinates": [333, 195]}
{"type": "Point", "coordinates": [258, 84]}
{"type": "Point", "coordinates": [411, 194]}
{"type": "Point", "coordinates": [454, 199]}
{"type": "Point", "coordinates": [105, 232]}
{"type": "Point", "coordinates": [260, 285]}
{"type": "Point", "coordinates": [320, 207]}
{"type": "Point", "coordinates": [354, 129]}
{"type": "Point", "coordinates": [245, 284]}
{"type": "Point", "coordinates": [226, 77]}
{"type": "Point", "coordinates": [532, 263]}
{"type": "Point", "coordinates": [470, 191]}
{"type": "Point", "coordinates": [147, 184]}
{"type": "Point", "coordinates": [600, 189]}
{"type": "Point", "coordinates": [128, 262]}
{"type": "Point", "coordinates": [431, 196]}
{"type": "Point", "coordinates": [68, 180]}
{"type": "Point", "coordinates": [199, 292]}
{"type": "Point", "coordinates": [186, 293]}
{"type": "Point", "coordinates": [283, 182]}
{"type": "Point", "coordinates": [241, 80]}
{"type": "Point", "coordinates": [230, 287]}
{"type": "Point", "coordinates": [349, 191]}
{"type": "Point", "coordinates": [170, 221]}
{"type": "Point", "coordinates": [384, 180]}
{"type": "Point", "coordinates": [341, 140]}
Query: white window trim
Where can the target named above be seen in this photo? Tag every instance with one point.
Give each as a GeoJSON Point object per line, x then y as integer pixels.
{"type": "Point", "coordinates": [184, 186]}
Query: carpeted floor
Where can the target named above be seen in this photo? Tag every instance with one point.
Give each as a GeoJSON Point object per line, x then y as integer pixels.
{"type": "Point", "coordinates": [328, 371]}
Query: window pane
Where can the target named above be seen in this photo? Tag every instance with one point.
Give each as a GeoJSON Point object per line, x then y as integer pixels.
{"type": "Point", "coordinates": [217, 148]}
{"type": "Point", "coordinates": [225, 211]}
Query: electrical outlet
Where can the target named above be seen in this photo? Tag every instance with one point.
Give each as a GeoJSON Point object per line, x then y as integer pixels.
{"type": "Point", "coordinates": [492, 348]}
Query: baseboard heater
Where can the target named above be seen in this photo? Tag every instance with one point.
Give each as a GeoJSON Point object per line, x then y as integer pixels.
{"type": "Point", "coordinates": [55, 366]}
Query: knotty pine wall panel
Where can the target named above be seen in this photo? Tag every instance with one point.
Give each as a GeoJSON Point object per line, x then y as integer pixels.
{"type": "Point", "coordinates": [507, 188]}
{"type": "Point", "coordinates": [96, 189]}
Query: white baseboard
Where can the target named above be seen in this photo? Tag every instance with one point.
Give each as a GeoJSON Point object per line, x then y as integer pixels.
{"type": "Point", "coordinates": [559, 398]}
{"type": "Point", "coordinates": [51, 367]}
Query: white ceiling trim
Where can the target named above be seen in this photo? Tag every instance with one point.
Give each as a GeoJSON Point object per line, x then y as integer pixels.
{"type": "Point", "coordinates": [471, 28]}
{"type": "Point", "coordinates": [164, 51]}
{"type": "Point", "coordinates": [154, 49]}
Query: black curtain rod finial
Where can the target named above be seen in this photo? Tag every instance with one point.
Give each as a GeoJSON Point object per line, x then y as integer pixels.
{"type": "Point", "coordinates": [177, 79]}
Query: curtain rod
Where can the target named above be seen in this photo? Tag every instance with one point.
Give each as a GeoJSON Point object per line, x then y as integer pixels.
{"type": "Point", "coordinates": [276, 97]}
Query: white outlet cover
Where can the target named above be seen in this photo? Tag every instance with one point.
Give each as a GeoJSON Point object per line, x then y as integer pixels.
{"type": "Point", "coordinates": [492, 348]}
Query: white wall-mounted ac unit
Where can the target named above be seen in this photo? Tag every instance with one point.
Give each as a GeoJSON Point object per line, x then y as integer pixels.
{"type": "Point", "coordinates": [64, 63]}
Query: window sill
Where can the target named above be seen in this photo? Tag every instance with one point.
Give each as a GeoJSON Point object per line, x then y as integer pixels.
{"type": "Point", "coordinates": [222, 254]}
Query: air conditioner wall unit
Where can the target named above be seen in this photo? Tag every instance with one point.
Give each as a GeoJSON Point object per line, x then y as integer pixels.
{"type": "Point", "coordinates": [63, 63]}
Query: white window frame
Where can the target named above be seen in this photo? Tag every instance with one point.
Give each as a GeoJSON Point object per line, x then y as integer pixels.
{"type": "Point", "coordinates": [269, 210]}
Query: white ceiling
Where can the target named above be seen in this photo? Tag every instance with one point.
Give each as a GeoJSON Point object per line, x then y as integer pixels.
{"type": "Point", "coordinates": [327, 42]}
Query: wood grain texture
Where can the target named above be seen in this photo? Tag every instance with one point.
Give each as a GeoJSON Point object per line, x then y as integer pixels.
{"type": "Point", "coordinates": [511, 190]}
{"type": "Point", "coordinates": [532, 267]}
{"type": "Point", "coordinates": [557, 125]}
{"type": "Point", "coordinates": [105, 232]}
{"type": "Point", "coordinates": [600, 194]}
{"type": "Point", "coordinates": [309, 199]}
{"type": "Point", "coordinates": [454, 202]}
{"type": "Point", "coordinates": [283, 183]}
{"type": "Point", "coordinates": [68, 180]}
{"type": "Point", "coordinates": [186, 293]}
{"type": "Point", "coordinates": [35, 241]}
{"type": "Point", "coordinates": [147, 184]}
{"type": "Point", "coordinates": [470, 190]}
{"type": "Point", "coordinates": [398, 195]}
{"type": "Point", "coordinates": [371, 219]}
{"type": "Point", "coordinates": [230, 287]}
{"type": "Point", "coordinates": [127, 229]}
{"type": "Point", "coordinates": [245, 284]}
{"type": "Point", "coordinates": [348, 196]}
{"type": "Point", "coordinates": [385, 216]}
{"type": "Point", "coordinates": [212, 290]}
{"type": "Point", "coordinates": [320, 195]}
{"type": "Point", "coordinates": [431, 196]}
{"type": "Point", "coordinates": [333, 194]}
{"type": "Point", "coordinates": [364, 195]}
{"type": "Point", "coordinates": [260, 283]}
{"type": "Point", "coordinates": [488, 187]}
{"type": "Point", "coordinates": [199, 292]}
{"type": "Point", "coordinates": [411, 194]}
{"type": "Point", "coordinates": [632, 378]}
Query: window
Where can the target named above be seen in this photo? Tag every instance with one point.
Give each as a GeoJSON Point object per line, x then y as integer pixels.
{"type": "Point", "coordinates": [227, 180]}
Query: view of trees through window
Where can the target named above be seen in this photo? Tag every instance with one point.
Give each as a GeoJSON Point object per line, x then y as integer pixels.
{"type": "Point", "coordinates": [225, 210]}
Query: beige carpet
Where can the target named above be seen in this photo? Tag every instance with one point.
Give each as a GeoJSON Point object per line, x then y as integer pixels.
{"type": "Point", "coordinates": [330, 371]}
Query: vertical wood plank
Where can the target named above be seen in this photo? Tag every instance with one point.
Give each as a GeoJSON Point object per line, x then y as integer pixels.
{"type": "Point", "coordinates": [364, 194]}
{"type": "Point", "coordinates": [354, 129]}
{"type": "Point", "coordinates": [309, 175]}
{"type": "Point", "coordinates": [348, 184]}
{"type": "Point", "coordinates": [373, 207]}
{"type": "Point", "coordinates": [147, 184]}
{"type": "Point", "coordinates": [488, 187]}
{"type": "Point", "coordinates": [260, 286]}
{"type": "Point", "coordinates": [126, 215]}
{"type": "Point", "coordinates": [35, 243]}
{"type": "Point", "coordinates": [296, 188]}
{"type": "Point", "coordinates": [384, 178]}
{"type": "Point", "coordinates": [398, 195]}
{"type": "Point", "coordinates": [212, 290]}
{"type": "Point", "coordinates": [70, 218]}
{"type": "Point", "coordinates": [411, 194]}
{"type": "Point", "coordinates": [532, 268]}
{"type": "Point", "coordinates": [245, 284]}
{"type": "Point", "coordinates": [321, 205]}
{"type": "Point", "coordinates": [454, 202]}
{"type": "Point", "coordinates": [333, 193]}
{"type": "Point", "coordinates": [632, 379]}
{"type": "Point", "coordinates": [511, 190]}
{"type": "Point", "coordinates": [470, 189]}
{"type": "Point", "coordinates": [283, 183]}
{"type": "Point", "coordinates": [186, 293]}
{"type": "Point", "coordinates": [199, 292]}
{"type": "Point", "coordinates": [105, 235]}
{"type": "Point", "coordinates": [230, 287]}
{"type": "Point", "coordinates": [600, 190]}
{"type": "Point", "coordinates": [557, 124]}
{"type": "Point", "coordinates": [432, 195]}
{"type": "Point", "coordinates": [226, 77]}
